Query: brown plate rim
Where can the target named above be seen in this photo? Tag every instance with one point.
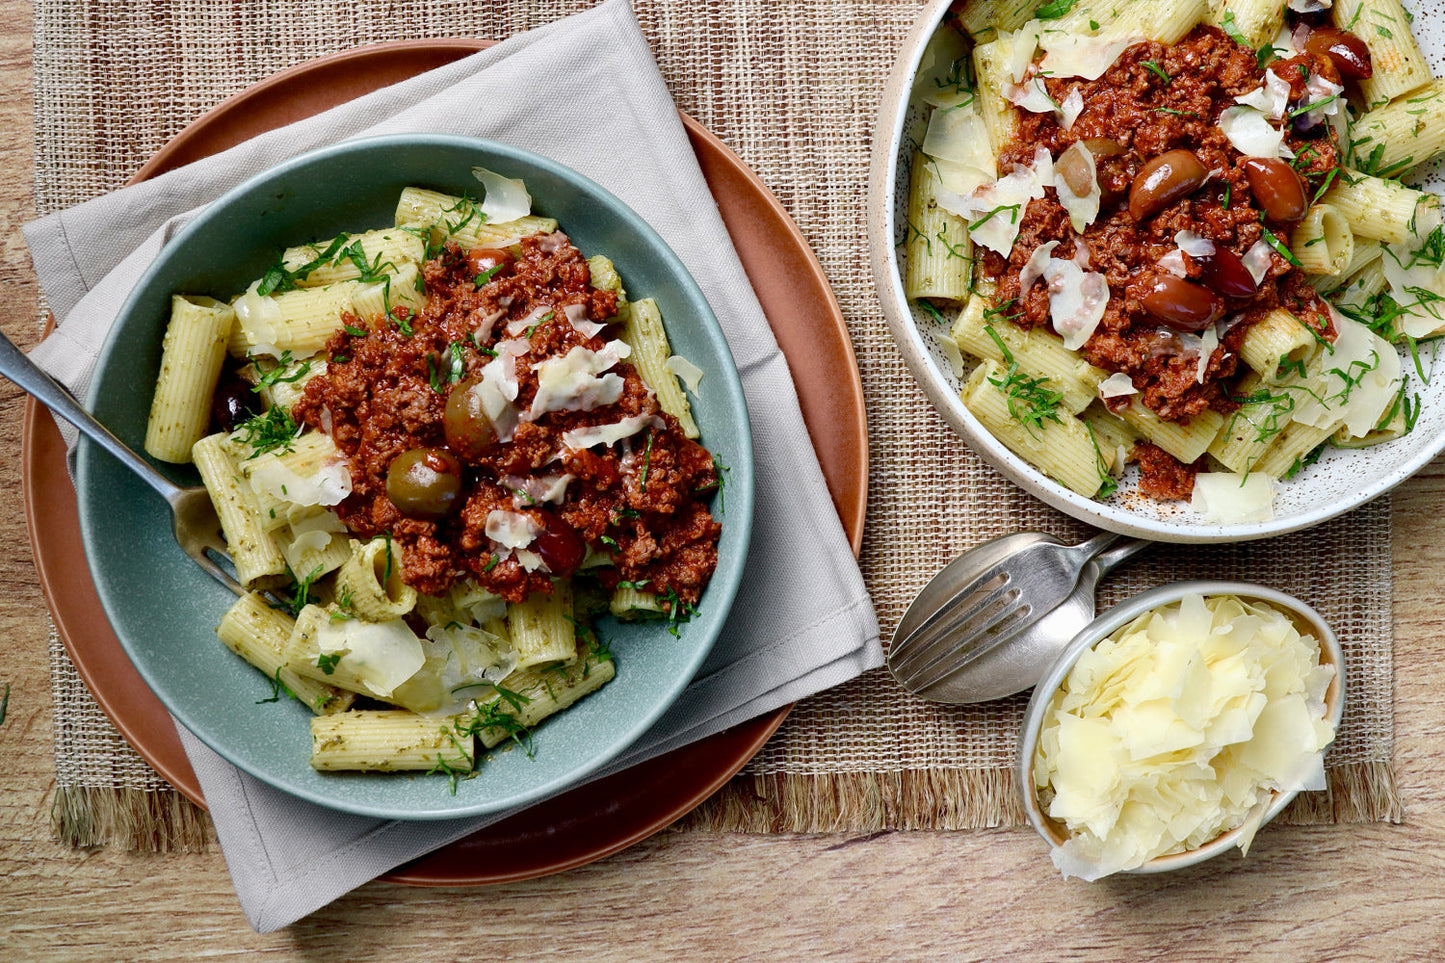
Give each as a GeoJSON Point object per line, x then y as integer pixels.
{"type": "Point", "coordinates": [838, 429]}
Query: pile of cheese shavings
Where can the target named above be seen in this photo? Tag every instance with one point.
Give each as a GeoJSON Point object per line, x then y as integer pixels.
{"type": "Point", "coordinates": [1178, 728]}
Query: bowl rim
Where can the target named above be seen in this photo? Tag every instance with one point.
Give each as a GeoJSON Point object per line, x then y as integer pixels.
{"type": "Point", "coordinates": [1117, 617]}
{"type": "Point", "coordinates": [741, 479]}
{"type": "Point", "coordinates": [882, 228]}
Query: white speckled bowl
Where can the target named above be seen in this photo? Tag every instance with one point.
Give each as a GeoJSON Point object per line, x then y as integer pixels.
{"type": "Point", "coordinates": [1337, 483]}
{"type": "Point", "coordinates": [1306, 619]}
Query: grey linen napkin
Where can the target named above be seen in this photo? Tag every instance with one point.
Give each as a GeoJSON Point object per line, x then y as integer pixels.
{"type": "Point", "coordinates": [796, 628]}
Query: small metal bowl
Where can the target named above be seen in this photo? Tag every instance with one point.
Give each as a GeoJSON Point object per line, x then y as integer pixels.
{"type": "Point", "coordinates": [1306, 619]}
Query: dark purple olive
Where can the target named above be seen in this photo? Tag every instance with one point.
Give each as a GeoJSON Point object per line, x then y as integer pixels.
{"type": "Point", "coordinates": [234, 404]}
{"type": "Point", "coordinates": [1167, 178]}
{"type": "Point", "coordinates": [1180, 304]}
{"type": "Point", "coordinates": [1225, 274]}
{"type": "Point", "coordinates": [1277, 188]}
{"type": "Point", "coordinates": [1306, 126]}
{"type": "Point", "coordinates": [424, 483]}
{"type": "Point", "coordinates": [468, 429]}
{"type": "Point", "coordinates": [1346, 51]}
{"type": "Point", "coordinates": [559, 545]}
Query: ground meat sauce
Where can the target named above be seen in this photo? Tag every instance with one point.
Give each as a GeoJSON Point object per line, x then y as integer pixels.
{"type": "Point", "coordinates": [639, 501]}
{"type": "Point", "coordinates": [1161, 475]}
{"type": "Point", "coordinates": [1133, 114]}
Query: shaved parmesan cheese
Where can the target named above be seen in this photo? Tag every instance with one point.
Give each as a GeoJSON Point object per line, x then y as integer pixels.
{"type": "Point", "coordinates": [1271, 97]}
{"type": "Point", "coordinates": [511, 529]}
{"type": "Point", "coordinates": [960, 136]}
{"type": "Point", "coordinates": [1209, 342]}
{"type": "Point", "coordinates": [461, 662]}
{"type": "Point", "coordinates": [506, 199]}
{"type": "Point", "coordinates": [1258, 259]}
{"type": "Point", "coordinates": [1083, 208]}
{"type": "Point", "coordinates": [1078, 55]}
{"type": "Point", "coordinates": [1178, 728]}
{"type": "Point", "coordinates": [1251, 133]}
{"type": "Point", "coordinates": [1417, 285]}
{"type": "Point", "coordinates": [498, 388]}
{"type": "Point", "coordinates": [1358, 380]}
{"type": "Point", "coordinates": [1194, 245]}
{"type": "Point", "coordinates": [1173, 263]}
{"type": "Point", "coordinates": [1076, 301]}
{"type": "Point", "coordinates": [952, 355]}
{"type": "Point", "coordinates": [1022, 44]}
{"type": "Point", "coordinates": [576, 315]}
{"type": "Point", "coordinates": [327, 486]}
{"type": "Point", "coordinates": [382, 654]}
{"type": "Point", "coordinates": [537, 490]}
{"type": "Point", "coordinates": [260, 318]}
{"type": "Point", "coordinates": [1117, 385]}
{"type": "Point", "coordinates": [1032, 96]}
{"type": "Point", "coordinates": [1225, 498]}
{"type": "Point", "coordinates": [1033, 268]}
{"type": "Point", "coordinates": [531, 561]}
{"type": "Point", "coordinates": [535, 316]}
{"type": "Point", "coordinates": [1073, 106]}
{"type": "Point", "coordinates": [996, 211]}
{"type": "Point", "coordinates": [580, 438]}
{"type": "Point", "coordinates": [575, 381]}
{"type": "Point", "coordinates": [690, 373]}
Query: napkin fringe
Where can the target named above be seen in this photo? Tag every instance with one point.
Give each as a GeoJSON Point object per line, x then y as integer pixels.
{"type": "Point", "coordinates": [138, 820]}
{"type": "Point", "coordinates": [956, 799]}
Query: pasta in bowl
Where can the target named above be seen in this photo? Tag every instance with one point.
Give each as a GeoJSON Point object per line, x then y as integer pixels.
{"type": "Point", "coordinates": [1159, 265]}
{"type": "Point", "coordinates": [451, 448]}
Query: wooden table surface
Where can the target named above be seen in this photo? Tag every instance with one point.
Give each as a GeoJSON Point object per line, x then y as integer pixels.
{"type": "Point", "coordinates": [1373, 892]}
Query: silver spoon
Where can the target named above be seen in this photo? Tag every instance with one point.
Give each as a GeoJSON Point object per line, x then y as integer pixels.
{"type": "Point", "coordinates": [991, 622]}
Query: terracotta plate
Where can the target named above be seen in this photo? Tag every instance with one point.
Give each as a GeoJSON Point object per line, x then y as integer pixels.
{"type": "Point", "coordinates": [595, 820]}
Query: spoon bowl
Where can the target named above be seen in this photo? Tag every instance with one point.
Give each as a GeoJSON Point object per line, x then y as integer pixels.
{"type": "Point", "coordinates": [992, 621]}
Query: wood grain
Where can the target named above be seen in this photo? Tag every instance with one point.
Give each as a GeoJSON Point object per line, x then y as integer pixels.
{"type": "Point", "coordinates": [1320, 893]}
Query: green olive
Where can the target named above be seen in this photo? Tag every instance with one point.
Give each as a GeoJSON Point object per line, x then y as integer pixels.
{"type": "Point", "coordinates": [425, 483]}
{"type": "Point", "coordinates": [469, 431]}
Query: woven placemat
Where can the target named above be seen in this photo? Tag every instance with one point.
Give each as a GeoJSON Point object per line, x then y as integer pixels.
{"type": "Point", "coordinates": [793, 86]}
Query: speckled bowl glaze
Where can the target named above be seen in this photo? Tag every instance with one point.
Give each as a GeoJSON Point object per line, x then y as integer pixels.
{"type": "Point", "coordinates": [1338, 482]}
{"type": "Point", "coordinates": [1306, 619]}
{"type": "Point", "coordinates": [164, 608]}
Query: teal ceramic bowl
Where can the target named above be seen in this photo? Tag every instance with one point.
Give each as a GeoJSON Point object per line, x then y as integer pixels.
{"type": "Point", "coordinates": [164, 608]}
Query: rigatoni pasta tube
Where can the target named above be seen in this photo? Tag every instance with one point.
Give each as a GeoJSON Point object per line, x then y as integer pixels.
{"type": "Point", "coordinates": [302, 320]}
{"type": "Point", "coordinates": [1166, 20]}
{"type": "Point", "coordinates": [354, 255]}
{"type": "Point", "coordinates": [1050, 439]}
{"type": "Point", "coordinates": [255, 553]}
{"type": "Point", "coordinates": [1277, 337]}
{"type": "Point", "coordinates": [191, 357]}
{"type": "Point", "coordinates": [460, 219]}
{"type": "Point", "coordinates": [1383, 209]}
{"type": "Point", "coordinates": [389, 740]}
{"type": "Point", "coordinates": [1322, 242]}
{"type": "Point", "coordinates": [1257, 21]}
{"type": "Point", "coordinates": [1037, 351]}
{"type": "Point", "coordinates": [541, 626]}
{"type": "Point", "coordinates": [1185, 441]}
{"type": "Point", "coordinates": [371, 581]}
{"type": "Point", "coordinates": [260, 634]}
{"type": "Point", "coordinates": [630, 602]}
{"type": "Point", "coordinates": [647, 338]}
{"type": "Point", "coordinates": [536, 693]}
{"type": "Point", "coordinates": [991, 65]}
{"type": "Point", "coordinates": [1384, 26]}
{"type": "Point", "coordinates": [938, 259]}
{"type": "Point", "coordinates": [985, 19]}
{"type": "Point", "coordinates": [376, 302]}
{"type": "Point", "coordinates": [1403, 134]}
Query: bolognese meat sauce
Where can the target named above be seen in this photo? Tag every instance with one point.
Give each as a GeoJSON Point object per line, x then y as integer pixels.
{"type": "Point", "coordinates": [1152, 125]}
{"type": "Point", "coordinates": [499, 434]}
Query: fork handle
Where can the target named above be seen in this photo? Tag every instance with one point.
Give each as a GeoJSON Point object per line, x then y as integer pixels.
{"type": "Point", "coordinates": [1110, 559]}
{"type": "Point", "coordinates": [34, 381]}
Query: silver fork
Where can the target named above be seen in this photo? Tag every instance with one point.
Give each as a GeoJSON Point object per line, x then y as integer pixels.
{"type": "Point", "coordinates": [987, 597]}
{"type": "Point", "coordinates": [193, 517]}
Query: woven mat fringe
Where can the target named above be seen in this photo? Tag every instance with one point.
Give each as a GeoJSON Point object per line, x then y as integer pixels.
{"type": "Point", "coordinates": [855, 802]}
{"type": "Point", "coordinates": [955, 799]}
{"type": "Point", "coordinates": [139, 820]}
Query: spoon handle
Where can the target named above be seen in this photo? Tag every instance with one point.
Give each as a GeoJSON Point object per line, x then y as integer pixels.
{"type": "Point", "coordinates": [1120, 553]}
